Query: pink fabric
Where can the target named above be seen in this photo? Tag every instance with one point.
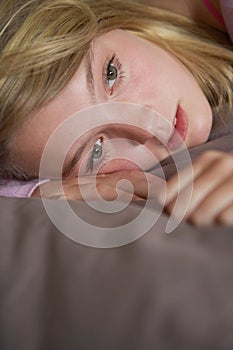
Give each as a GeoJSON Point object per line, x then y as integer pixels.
{"type": "Point", "coordinates": [214, 12]}
{"type": "Point", "coordinates": [227, 10]}
{"type": "Point", "coordinates": [16, 188]}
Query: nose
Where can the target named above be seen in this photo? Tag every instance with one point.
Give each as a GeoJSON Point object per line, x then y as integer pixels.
{"type": "Point", "coordinates": [138, 134]}
{"type": "Point", "coordinates": [146, 124]}
{"type": "Point", "coordinates": [141, 121]}
{"type": "Point", "coordinates": [145, 154]}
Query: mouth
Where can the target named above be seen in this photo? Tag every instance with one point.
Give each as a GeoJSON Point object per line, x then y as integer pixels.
{"type": "Point", "coordinates": [180, 129]}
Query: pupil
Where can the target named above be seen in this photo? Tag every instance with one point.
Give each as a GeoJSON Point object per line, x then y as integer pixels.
{"type": "Point", "coordinates": [112, 73]}
{"type": "Point", "coordinates": [97, 151]}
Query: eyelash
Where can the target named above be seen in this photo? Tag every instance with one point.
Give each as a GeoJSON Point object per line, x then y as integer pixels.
{"type": "Point", "coordinates": [98, 164]}
{"type": "Point", "coordinates": [115, 61]}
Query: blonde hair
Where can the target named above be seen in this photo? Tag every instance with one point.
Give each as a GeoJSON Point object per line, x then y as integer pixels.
{"type": "Point", "coordinates": [42, 43]}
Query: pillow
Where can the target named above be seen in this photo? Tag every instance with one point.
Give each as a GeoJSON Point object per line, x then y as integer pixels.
{"type": "Point", "coordinates": [159, 292]}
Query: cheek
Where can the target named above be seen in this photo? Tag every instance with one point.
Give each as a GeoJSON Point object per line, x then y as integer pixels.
{"type": "Point", "coordinates": [145, 77]}
{"type": "Point", "coordinates": [156, 70]}
{"type": "Point", "coordinates": [201, 126]}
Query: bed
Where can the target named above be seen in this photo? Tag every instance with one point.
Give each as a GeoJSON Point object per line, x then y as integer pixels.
{"type": "Point", "coordinates": [160, 292]}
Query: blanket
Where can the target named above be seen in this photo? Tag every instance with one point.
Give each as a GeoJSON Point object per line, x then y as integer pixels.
{"type": "Point", "coordinates": [159, 292]}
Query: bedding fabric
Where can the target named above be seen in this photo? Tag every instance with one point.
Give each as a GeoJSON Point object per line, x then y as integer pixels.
{"type": "Point", "coordinates": [160, 292]}
{"type": "Point", "coordinates": [227, 10]}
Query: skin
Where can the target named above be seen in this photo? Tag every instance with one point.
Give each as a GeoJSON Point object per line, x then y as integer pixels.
{"type": "Point", "coordinates": [161, 84]}
{"type": "Point", "coordinates": [212, 199]}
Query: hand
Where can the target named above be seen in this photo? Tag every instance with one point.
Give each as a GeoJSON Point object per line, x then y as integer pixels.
{"type": "Point", "coordinates": [105, 185]}
{"type": "Point", "coordinates": [212, 195]}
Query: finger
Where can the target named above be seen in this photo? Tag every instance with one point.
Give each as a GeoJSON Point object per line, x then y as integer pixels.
{"type": "Point", "coordinates": [57, 189]}
{"type": "Point", "coordinates": [143, 185]}
{"type": "Point", "coordinates": [213, 186]}
{"type": "Point", "coordinates": [137, 185]}
{"type": "Point", "coordinates": [226, 216]}
{"type": "Point", "coordinates": [95, 187]}
{"type": "Point", "coordinates": [214, 204]}
{"type": "Point", "coordinates": [50, 189]}
{"type": "Point", "coordinates": [104, 186]}
{"type": "Point", "coordinates": [185, 177]}
{"type": "Point", "coordinates": [104, 191]}
{"type": "Point", "coordinates": [208, 175]}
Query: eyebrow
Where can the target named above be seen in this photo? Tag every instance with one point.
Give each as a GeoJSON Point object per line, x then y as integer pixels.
{"type": "Point", "coordinates": [90, 75]}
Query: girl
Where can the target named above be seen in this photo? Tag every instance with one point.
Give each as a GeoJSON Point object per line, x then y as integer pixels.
{"type": "Point", "coordinates": [60, 57]}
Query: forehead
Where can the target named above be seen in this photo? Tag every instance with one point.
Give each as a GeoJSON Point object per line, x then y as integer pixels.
{"type": "Point", "coordinates": [34, 133]}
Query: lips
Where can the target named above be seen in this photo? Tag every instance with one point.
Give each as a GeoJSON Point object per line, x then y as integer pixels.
{"type": "Point", "coordinates": [180, 124]}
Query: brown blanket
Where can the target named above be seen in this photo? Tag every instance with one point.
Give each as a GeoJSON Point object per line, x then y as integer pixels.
{"type": "Point", "coordinates": [161, 292]}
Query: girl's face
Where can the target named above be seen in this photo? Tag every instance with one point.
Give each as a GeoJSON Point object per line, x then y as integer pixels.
{"type": "Point", "coordinates": [120, 68]}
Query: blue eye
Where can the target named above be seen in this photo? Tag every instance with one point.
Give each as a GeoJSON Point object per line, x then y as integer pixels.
{"type": "Point", "coordinates": [113, 74]}
{"type": "Point", "coordinates": [96, 155]}
{"type": "Point", "coordinates": [97, 150]}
